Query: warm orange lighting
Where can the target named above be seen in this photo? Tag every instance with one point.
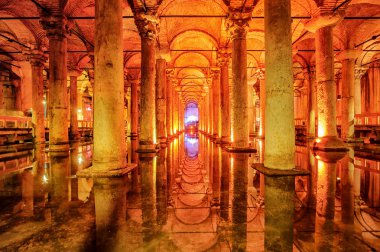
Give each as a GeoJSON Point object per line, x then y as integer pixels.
{"type": "Point", "coordinates": [317, 157]}
{"type": "Point", "coordinates": [321, 130]}
{"type": "Point", "coordinates": [318, 140]}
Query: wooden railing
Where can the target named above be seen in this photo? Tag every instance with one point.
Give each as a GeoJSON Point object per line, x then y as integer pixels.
{"type": "Point", "coordinates": [81, 124]}
{"type": "Point", "coordinates": [15, 122]}
{"type": "Point", "coordinates": [360, 120]}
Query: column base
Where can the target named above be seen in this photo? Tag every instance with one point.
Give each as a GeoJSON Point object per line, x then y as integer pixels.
{"type": "Point", "coordinates": [94, 173]}
{"type": "Point", "coordinates": [148, 148]}
{"type": "Point", "coordinates": [329, 143]}
{"type": "Point", "coordinates": [329, 156]}
{"type": "Point", "coordinates": [59, 147]}
{"type": "Point", "coordinates": [279, 173]}
{"type": "Point", "coordinates": [353, 140]}
{"type": "Point", "coordinates": [233, 149]}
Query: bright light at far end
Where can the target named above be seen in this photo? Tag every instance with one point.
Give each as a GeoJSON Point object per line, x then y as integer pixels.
{"type": "Point", "coordinates": [318, 140]}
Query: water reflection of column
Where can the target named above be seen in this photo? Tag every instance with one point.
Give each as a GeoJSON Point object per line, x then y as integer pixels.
{"type": "Point", "coordinates": [59, 168]}
{"type": "Point", "coordinates": [216, 175]}
{"type": "Point", "coordinates": [225, 187]}
{"type": "Point", "coordinates": [40, 176]}
{"type": "Point", "coordinates": [27, 192]}
{"type": "Point", "coordinates": [162, 192]}
{"type": "Point", "coordinates": [147, 165]}
{"type": "Point", "coordinates": [73, 182]}
{"type": "Point", "coordinates": [135, 160]}
{"type": "Point", "coordinates": [313, 180]}
{"type": "Point", "coordinates": [239, 202]}
{"type": "Point", "coordinates": [347, 200]}
{"type": "Point", "coordinates": [325, 209]}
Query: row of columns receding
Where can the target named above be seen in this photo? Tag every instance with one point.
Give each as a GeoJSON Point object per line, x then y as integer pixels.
{"type": "Point", "coordinates": [160, 108]}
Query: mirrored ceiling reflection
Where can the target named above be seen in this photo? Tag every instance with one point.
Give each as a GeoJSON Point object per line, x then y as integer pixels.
{"type": "Point", "coordinates": [193, 196]}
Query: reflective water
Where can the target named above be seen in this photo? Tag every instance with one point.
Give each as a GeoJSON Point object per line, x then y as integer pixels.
{"type": "Point", "coordinates": [191, 196]}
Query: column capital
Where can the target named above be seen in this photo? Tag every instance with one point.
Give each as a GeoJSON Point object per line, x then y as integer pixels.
{"type": "Point", "coordinates": [170, 73]}
{"type": "Point", "coordinates": [360, 71]}
{"type": "Point", "coordinates": [147, 24]}
{"type": "Point", "coordinates": [36, 57]}
{"type": "Point", "coordinates": [260, 73]}
{"type": "Point", "coordinates": [74, 72]}
{"type": "Point", "coordinates": [215, 73]}
{"type": "Point", "coordinates": [223, 57]}
{"type": "Point", "coordinates": [348, 54]}
{"type": "Point", "coordinates": [237, 24]}
{"type": "Point", "coordinates": [323, 20]}
{"type": "Point", "coordinates": [55, 26]}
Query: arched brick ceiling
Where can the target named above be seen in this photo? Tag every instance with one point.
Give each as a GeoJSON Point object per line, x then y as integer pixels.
{"type": "Point", "coordinates": [178, 33]}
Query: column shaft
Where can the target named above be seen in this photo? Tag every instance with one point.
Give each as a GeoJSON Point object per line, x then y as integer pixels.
{"type": "Point", "coordinates": [240, 127]}
{"type": "Point", "coordinates": [169, 111]}
{"type": "Point", "coordinates": [348, 109]}
{"type": "Point", "coordinates": [38, 119]}
{"type": "Point", "coordinates": [147, 29]}
{"type": "Point", "coordinates": [161, 100]}
{"type": "Point", "coordinates": [262, 107]}
{"type": "Point", "coordinates": [58, 112]}
{"type": "Point", "coordinates": [326, 88]}
{"type": "Point", "coordinates": [312, 103]}
{"type": "Point", "coordinates": [74, 132]}
{"type": "Point", "coordinates": [216, 103]}
{"type": "Point", "coordinates": [279, 101]}
{"type": "Point", "coordinates": [225, 103]}
{"type": "Point", "coordinates": [134, 108]}
{"type": "Point", "coordinates": [109, 132]}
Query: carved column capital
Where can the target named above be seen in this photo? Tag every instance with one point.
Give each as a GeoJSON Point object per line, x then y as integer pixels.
{"type": "Point", "coordinates": [147, 24]}
{"type": "Point", "coordinates": [223, 57]}
{"type": "Point", "coordinates": [260, 73]}
{"type": "Point", "coordinates": [55, 26]}
{"type": "Point", "coordinates": [36, 57]}
{"type": "Point", "coordinates": [237, 24]}
{"type": "Point", "coordinates": [359, 72]}
{"type": "Point", "coordinates": [215, 73]}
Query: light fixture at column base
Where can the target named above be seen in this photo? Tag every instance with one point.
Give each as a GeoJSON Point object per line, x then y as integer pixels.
{"type": "Point", "coordinates": [94, 173]}
{"type": "Point", "coordinates": [329, 143]}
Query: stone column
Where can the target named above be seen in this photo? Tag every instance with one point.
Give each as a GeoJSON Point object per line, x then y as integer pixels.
{"type": "Point", "coordinates": [147, 25]}
{"type": "Point", "coordinates": [37, 60]}
{"type": "Point", "coordinates": [223, 60]}
{"type": "Point", "coordinates": [74, 131]}
{"type": "Point", "coordinates": [169, 102]}
{"type": "Point", "coordinates": [109, 155]}
{"type": "Point", "coordinates": [239, 106]}
{"type": "Point", "coordinates": [161, 100]}
{"type": "Point", "coordinates": [251, 110]}
{"type": "Point", "coordinates": [326, 87]}
{"type": "Point", "coordinates": [312, 101]}
{"type": "Point", "coordinates": [347, 59]}
{"type": "Point", "coordinates": [216, 103]}
{"type": "Point", "coordinates": [134, 108]}
{"type": "Point", "coordinates": [279, 152]}
{"type": "Point", "coordinates": [210, 108]}
{"type": "Point", "coordinates": [359, 72]}
{"type": "Point", "coordinates": [261, 77]}
{"type": "Point", "coordinates": [175, 112]}
{"type": "Point", "coordinates": [56, 28]}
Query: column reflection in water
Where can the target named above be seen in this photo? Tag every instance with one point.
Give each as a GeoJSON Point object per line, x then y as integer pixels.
{"type": "Point", "coordinates": [225, 187]}
{"type": "Point", "coordinates": [325, 200]}
{"type": "Point", "coordinates": [27, 192]}
{"type": "Point", "coordinates": [161, 187]}
{"type": "Point", "coordinates": [216, 175]}
{"type": "Point", "coordinates": [110, 211]}
{"type": "Point", "coordinates": [75, 159]}
{"type": "Point", "coordinates": [347, 201]}
{"type": "Point", "coordinates": [41, 178]}
{"type": "Point", "coordinates": [239, 202]}
{"type": "Point", "coordinates": [147, 166]}
{"type": "Point", "coordinates": [59, 184]}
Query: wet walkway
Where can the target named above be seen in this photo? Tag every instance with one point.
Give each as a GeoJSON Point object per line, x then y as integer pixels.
{"type": "Point", "coordinates": [192, 196]}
